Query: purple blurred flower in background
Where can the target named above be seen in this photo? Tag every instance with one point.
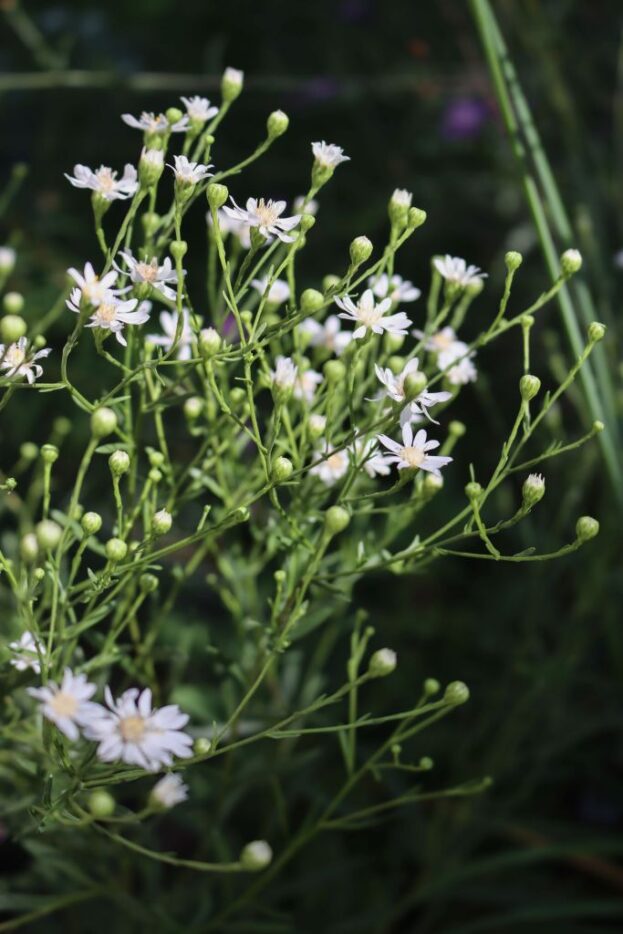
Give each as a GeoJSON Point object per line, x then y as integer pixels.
{"type": "Point", "coordinates": [464, 117]}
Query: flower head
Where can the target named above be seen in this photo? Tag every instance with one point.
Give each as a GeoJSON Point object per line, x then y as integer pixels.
{"type": "Point", "coordinates": [198, 108]}
{"type": "Point", "coordinates": [370, 316]}
{"type": "Point", "coordinates": [168, 323]}
{"type": "Point", "coordinates": [284, 374]}
{"type": "Point", "coordinates": [328, 155]}
{"type": "Point", "coordinates": [332, 467]}
{"type": "Point", "coordinates": [394, 386]}
{"type": "Point", "coordinates": [104, 181]}
{"type": "Point", "coordinates": [329, 334]}
{"type": "Point", "coordinates": [413, 452]}
{"type": "Point", "coordinates": [189, 173]}
{"type": "Point", "coordinates": [150, 272]}
{"type": "Point", "coordinates": [305, 385]}
{"type": "Point", "coordinates": [367, 455]}
{"type": "Point", "coordinates": [394, 287]}
{"type": "Point", "coordinates": [456, 271]}
{"type": "Point", "coordinates": [278, 292]}
{"type": "Point", "coordinates": [112, 314]}
{"type": "Point", "coordinates": [169, 791]}
{"type": "Point", "coordinates": [17, 360]}
{"type": "Point", "coordinates": [67, 705]}
{"type": "Point", "coordinates": [155, 123]}
{"type": "Point", "coordinates": [266, 217]}
{"type": "Point", "coordinates": [462, 372]}
{"type": "Point", "coordinates": [90, 287]}
{"type": "Point", "coordinates": [27, 651]}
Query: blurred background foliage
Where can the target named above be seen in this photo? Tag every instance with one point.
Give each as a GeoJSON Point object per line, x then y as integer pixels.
{"type": "Point", "coordinates": [403, 87]}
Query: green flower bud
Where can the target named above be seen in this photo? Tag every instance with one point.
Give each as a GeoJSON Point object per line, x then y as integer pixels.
{"type": "Point", "coordinates": [28, 451]}
{"type": "Point", "coordinates": [533, 489]}
{"type": "Point", "coordinates": [473, 491]}
{"type": "Point", "coordinates": [596, 331]}
{"type": "Point", "coordinates": [277, 124]}
{"type": "Point", "coordinates": [217, 195]}
{"type": "Point", "coordinates": [150, 167]}
{"type": "Point", "coordinates": [431, 686]}
{"type": "Point", "coordinates": [29, 547]}
{"type": "Point", "coordinates": [360, 250]}
{"type": "Point", "coordinates": [173, 114]}
{"type": "Point", "coordinates": [307, 222]}
{"type": "Point", "coordinates": [393, 342]}
{"type": "Point", "coordinates": [456, 429]}
{"type": "Point", "coordinates": [48, 534]}
{"type": "Point", "coordinates": [202, 746]}
{"type": "Point", "coordinates": [156, 458]}
{"type": "Point", "coordinates": [513, 260]}
{"type": "Point", "coordinates": [456, 693]}
{"type": "Point", "coordinates": [474, 288]}
{"type": "Point", "coordinates": [231, 84]}
{"type": "Point", "coordinates": [13, 303]}
{"type": "Point", "coordinates": [334, 371]}
{"type": "Point", "coordinates": [529, 386]}
{"type": "Point", "coordinates": [103, 422]}
{"type": "Point", "coordinates": [237, 396]}
{"type": "Point", "coordinates": [527, 321]}
{"type": "Point", "coordinates": [101, 804]}
{"type": "Point", "coordinates": [382, 663]}
{"type": "Point", "coordinates": [12, 327]}
{"type": "Point", "coordinates": [426, 763]}
{"type": "Point", "coordinates": [162, 522]}
{"type": "Point", "coordinates": [151, 222]}
{"type": "Point", "coordinates": [119, 463]}
{"type": "Point", "coordinates": [316, 426]}
{"type": "Point", "coordinates": [570, 262]}
{"type": "Point", "coordinates": [49, 453]}
{"type": "Point", "coordinates": [209, 342]}
{"type": "Point", "coordinates": [256, 855]}
{"type": "Point", "coordinates": [148, 583]}
{"type": "Point", "coordinates": [155, 476]}
{"type": "Point", "coordinates": [91, 523]}
{"type": "Point", "coordinates": [431, 484]}
{"type": "Point", "coordinates": [598, 426]}
{"type": "Point", "coordinates": [193, 408]}
{"type": "Point", "coordinates": [586, 528]}
{"type": "Point", "coordinates": [415, 218]}
{"type": "Point", "coordinates": [179, 248]}
{"type": "Point", "coordinates": [330, 282]}
{"type": "Point", "coordinates": [396, 364]}
{"type": "Point", "coordinates": [311, 301]}
{"type": "Point", "coordinates": [115, 549]}
{"type": "Point", "coordinates": [414, 384]}
{"type": "Point", "coordinates": [281, 469]}
{"type": "Point", "coordinates": [336, 519]}
{"type": "Point", "coordinates": [398, 207]}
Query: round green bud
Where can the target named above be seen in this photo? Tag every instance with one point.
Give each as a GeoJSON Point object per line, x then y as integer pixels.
{"type": "Point", "coordinates": [316, 426]}
{"type": "Point", "coordinates": [457, 429]}
{"type": "Point", "coordinates": [527, 321]}
{"type": "Point", "coordinates": [431, 484]}
{"type": "Point", "coordinates": [533, 489]}
{"type": "Point", "coordinates": [334, 371]}
{"type": "Point", "coordinates": [28, 451]}
{"type": "Point", "coordinates": [311, 301]}
{"type": "Point", "coordinates": [398, 207]}
{"type": "Point", "coordinates": [473, 491]}
{"type": "Point", "coordinates": [217, 195]}
{"type": "Point", "coordinates": [571, 262]}
{"type": "Point", "coordinates": [598, 426]}
{"type": "Point", "coordinates": [415, 218]}
{"type": "Point", "coordinates": [474, 288]}
{"type": "Point", "coordinates": [414, 384]}
{"type": "Point", "coordinates": [151, 222]}
{"type": "Point", "coordinates": [336, 519]}
{"type": "Point", "coordinates": [174, 114]}
{"type": "Point", "coordinates": [426, 763]}
{"type": "Point", "coordinates": [596, 331]}
{"type": "Point", "coordinates": [12, 327]}
{"type": "Point", "coordinates": [101, 804]}
{"type": "Point", "coordinates": [49, 453]}
{"type": "Point", "coordinates": [456, 693]}
{"type": "Point", "coordinates": [277, 124]}
{"type": "Point", "coordinates": [62, 425]}
{"type": "Point", "coordinates": [393, 342]}
{"type": "Point", "coordinates": [513, 260]}
{"type": "Point", "coordinates": [280, 576]}
{"type": "Point", "coordinates": [382, 663]}
{"type": "Point", "coordinates": [396, 364]}
{"type": "Point", "coordinates": [256, 855]}
{"type": "Point", "coordinates": [360, 250]}
{"type": "Point", "coordinates": [529, 386]}
{"type": "Point", "coordinates": [179, 248]}
{"type": "Point", "coordinates": [29, 547]}
{"type": "Point", "coordinates": [103, 422]}
{"type": "Point", "coordinates": [202, 746]}
{"type": "Point", "coordinates": [209, 342]}
{"type": "Point", "coordinates": [119, 463]}
{"type": "Point", "coordinates": [238, 396]}
{"type": "Point", "coordinates": [115, 549]}
{"type": "Point", "coordinates": [330, 282]}
{"type": "Point", "coordinates": [48, 534]}
{"type": "Point", "coordinates": [39, 342]}
{"type": "Point", "coordinates": [156, 458]}
{"type": "Point", "coordinates": [91, 523]}
{"type": "Point", "coordinates": [38, 574]}
{"type": "Point", "coordinates": [148, 583]}
{"type": "Point", "coordinates": [193, 408]}
{"type": "Point", "coordinates": [162, 522]}
{"type": "Point", "coordinates": [431, 686]}
{"type": "Point", "coordinates": [281, 469]}
{"type": "Point", "coordinates": [586, 528]}
{"type": "Point", "coordinates": [307, 222]}
{"type": "Point", "coordinates": [154, 475]}
{"type": "Point", "coordinates": [231, 84]}
{"type": "Point", "coordinates": [13, 303]}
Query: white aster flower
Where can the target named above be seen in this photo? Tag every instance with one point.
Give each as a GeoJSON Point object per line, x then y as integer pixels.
{"type": "Point", "coordinates": [233, 226]}
{"type": "Point", "coordinates": [456, 271]}
{"type": "Point", "coordinates": [374, 463]}
{"type": "Point", "coordinates": [153, 158]}
{"type": "Point", "coordinates": [68, 705]}
{"type": "Point", "coordinates": [155, 123]}
{"type": "Point", "coordinates": [328, 155]}
{"type": "Point", "coordinates": [333, 466]}
{"type": "Point", "coordinates": [301, 206]}
{"type": "Point", "coordinates": [306, 384]}
{"type": "Point", "coordinates": [278, 293]}
{"type": "Point", "coordinates": [329, 334]}
{"type": "Point", "coordinates": [27, 651]}
{"type": "Point", "coordinates": [266, 216]}
{"type": "Point", "coordinates": [198, 108]}
{"type": "Point", "coordinates": [112, 315]}
{"type": "Point", "coordinates": [394, 287]}
{"type": "Point", "coordinates": [370, 316]}
{"type": "Point", "coordinates": [402, 197]}
{"type": "Point", "coordinates": [104, 181]}
{"type": "Point", "coordinates": [169, 791]}
{"type": "Point", "coordinates": [444, 344]}
{"type": "Point", "coordinates": [151, 273]}
{"type": "Point", "coordinates": [284, 374]}
{"type": "Point", "coordinates": [91, 287]}
{"type": "Point", "coordinates": [394, 384]}
{"type": "Point", "coordinates": [189, 173]}
{"type": "Point", "coordinates": [395, 388]}
{"type": "Point", "coordinates": [131, 731]}
{"type": "Point", "coordinates": [413, 452]}
{"type": "Point", "coordinates": [17, 360]}
{"type": "Point", "coordinates": [168, 323]}
{"type": "Point", "coordinates": [462, 372]}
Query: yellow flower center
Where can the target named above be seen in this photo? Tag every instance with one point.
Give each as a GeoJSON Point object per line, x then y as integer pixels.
{"type": "Point", "coordinates": [132, 729]}
{"type": "Point", "coordinates": [14, 357]}
{"type": "Point", "coordinates": [370, 316]}
{"type": "Point", "coordinates": [106, 179]}
{"type": "Point", "coordinates": [442, 341]}
{"type": "Point", "coordinates": [148, 271]}
{"type": "Point", "coordinates": [413, 456]}
{"type": "Point", "coordinates": [63, 704]}
{"type": "Point", "coordinates": [336, 461]}
{"type": "Point", "coordinates": [107, 313]}
{"type": "Point", "coordinates": [266, 213]}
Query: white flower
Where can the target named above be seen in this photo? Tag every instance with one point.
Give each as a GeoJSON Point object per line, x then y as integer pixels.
{"type": "Point", "coordinates": [169, 791]}
{"type": "Point", "coordinates": [68, 705]}
{"type": "Point", "coordinates": [445, 344]}
{"type": "Point", "coordinates": [374, 463]}
{"type": "Point", "coordinates": [284, 374]}
{"type": "Point", "coordinates": [112, 315]}
{"type": "Point", "coordinates": [328, 335]}
{"type": "Point", "coordinates": [370, 316]}
{"type": "Point", "coordinates": [189, 173]}
{"type": "Point", "coordinates": [328, 155]}
{"type": "Point", "coordinates": [462, 372]}
{"type": "Point", "coordinates": [7, 259]}
{"type": "Point", "coordinates": [131, 731]}
{"type": "Point", "coordinates": [232, 225]}
{"type": "Point", "coordinates": [402, 197]}
{"type": "Point", "coordinates": [168, 323]}
{"type": "Point", "coordinates": [278, 293]}
{"type": "Point", "coordinates": [455, 270]}
{"type": "Point", "coordinates": [152, 273]}
{"type": "Point", "coordinates": [395, 383]}
{"type": "Point", "coordinates": [395, 388]}
{"type": "Point", "coordinates": [266, 216]}
{"type": "Point", "coordinates": [104, 181]}
{"type": "Point", "coordinates": [198, 108]}
{"type": "Point", "coordinates": [394, 287]}
{"type": "Point", "coordinates": [306, 384]}
{"type": "Point", "coordinates": [91, 287]}
{"type": "Point", "coordinates": [333, 467]}
{"type": "Point", "coordinates": [152, 158]}
{"type": "Point", "coordinates": [17, 360]}
{"type": "Point", "coordinates": [152, 123]}
{"type": "Point", "coordinates": [317, 424]}
{"type": "Point", "coordinates": [301, 206]}
{"type": "Point", "coordinates": [413, 452]}
{"type": "Point", "coordinates": [27, 651]}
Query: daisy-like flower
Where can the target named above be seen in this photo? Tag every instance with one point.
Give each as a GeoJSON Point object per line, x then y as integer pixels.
{"type": "Point", "coordinates": [151, 273]}
{"type": "Point", "coordinates": [67, 705]}
{"type": "Point", "coordinates": [198, 108]}
{"type": "Point", "coordinates": [328, 155]}
{"type": "Point", "coordinates": [168, 792]}
{"type": "Point", "coordinates": [285, 373]}
{"type": "Point", "coordinates": [301, 206]}
{"type": "Point", "coordinates": [413, 452]}
{"type": "Point", "coordinates": [112, 315]}
{"type": "Point", "coordinates": [394, 287]}
{"type": "Point", "coordinates": [328, 335]}
{"type": "Point", "coordinates": [456, 271]}
{"type": "Point", "coordinates": [131, 731]}
{"type": "Point", "coordinates": [155, 123]}
{"type": "Point", "coordinates": [462, 372]}
{"type": "Point", "coordinates": [395, 388]}
{"type": "Point", "coordinates": [333, 466]}
{"type": "Point", "coordinates": [278, 293]}
{"type": "Point", "coordinates": [27, 651]}
{"type": "Point", "coordinates": [445, 344]}
{"type": "Point", "coordinates": [189, 173]}
{"type": "Point", "coordinates": [266, 217]}
{"type": "Point", "coordinates": [104, 181]}
{"type": "Point", "coordinates": [168, 323]}
{"type": "Point", "coordinates": [17, 360]}
{"type": "Point", "coordinates": [91, 287]}
{"type": "Point", "coordinates": [306, 384]}
{"type": "Point", "coordinates": [370, 316]}
{"type": "Point", "coordinates": [374, 463]}
{"type": "Point", "coordinates": [233, 226]}
{"type": "Point", "coordinates": [394, 384]}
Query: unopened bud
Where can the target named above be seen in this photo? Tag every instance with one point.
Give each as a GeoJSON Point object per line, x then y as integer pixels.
{"type": "Point", "coordinates": [91, 523]}
{"type": "Point", "coordinates": [360, 250]}
{"type": "Point", "coordinates": [28, 451]}
{"type": "Point", "coordinates": [101, 804]}
{"type": "Point", "coordinates": [119, 463]}
{"type": "Point", "coordinates": [473, 491]}
{"type": "Point", "coordinates": [173, 114]}
{"type": "Point", "coordinates": [148, 583]}
{"type": "Point", "coordinates": [533, 489]}
{"type": "Point", "coordinates": [529, 386]}
{"type": "Point", "coordinates": [162, 522]}
{"type": "Point", "coordinates": [398, 208]}
{"type": "Point", "coordinates": [179, 248]}
{"type": "Point", "coordinates": [277, 124]}
{"type": "Point", "coordinates": [334, 371]}
{"type": "Point", "coordinates": [29, 547]}
{"type": "Point", "coordinates": [209, 342]}
{"type": "Point", "coordinates": [596, 331]}
{"type": "Point", "coordinates": [48, 534]}
{"type": "Point", "coordinates": [316, 425]}
{"type": "Point", "coordinates": [12, 327]}
{"type": "Point", "coordinates": [598, 426]}
{"type": "Point", "coordinates": [115, 549]}
{"type": "Point", "coordinates": [217, 195]}
{"type": "Point", "coordinates": [456, 429]}
{"type": "Point", "coordinates": [281, 469]}
{"type": "Point", "coordinates": [13, 303]}
{"type": "Point", "coordinates": [150, 167]}
{"type": "Point", "coordinates": [586, 528]}
{"type": "Point", "coordinates": [7, 260]}
{"type": "Point", "coordinates": [513, 260]}
{"type": "Point", "coordinates": [431, 686]}
{"type": "Point", "coordinates": [382, 663]}
{"type": "Point", "coordinates": [49, 453]}
{"type": "Point", "coordinates": [336, 519]}
{"type": "Point", "coordinates": [414, 384]}
{"type": "Point", "coordinates": [231, 84]}
{"type": "Point", "coordinates": [330, 282]}
{"type": "Point", "coordinates": [103, 422]}
{"type": "Point", "coordinates": [256, 855]}
{"type": "Point", "coordinates": [311, 301]}
{"type": "Point", "coordinates": [202, 746]}
{"type": "Point", "coordinates": [193, 408]}
{"type": "Point", "coordinates": [571, 262]}
{"type": "Point", "coordinates": [415, 218]}
{"type": "Point", "coordinates": [456, 693]}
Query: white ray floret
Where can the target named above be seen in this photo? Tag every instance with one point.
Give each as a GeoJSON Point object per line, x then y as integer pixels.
{"type": "Point", "coordinates": [306, 384]}
{"type": "Point", "coordinates": [18, 360]}
{"type": "Point", "coordinates": [371, 316]}
{"type": "Point", "coordinates": [329, 334]}
{"type": "Point", "coordinates": [231, 225]}
{"type": "Point", "coordinates": [159, 276]}
{"type": "Point", "coordinates": [199, 108]}
{"type": "Point", "coordinates": [91, 287]}
{"type": "Point", "coordinates": [278, 293]}
{"type": "Point", "coordinates": [328, 155]}
{"type": "Point", "coordinates": [155, 123]}
{"type": "Point", "coordinates": [284, 374]}
{"type": "Point", "coordinates": [266, 217]}
{"type": "Point", "coordinates": [27, 652]}
{"type": "Point", "coordinates": [104, 181]}
{"type": "Point", "coordinates": [333, 466]}
{"type": "Point", "coordinates": [412, 453]}
{"type": "Point", "coordinates": [189, 173]}
{"type": "Point", "coordinates": [169, 791]}
{"type": "Point", "coordinates": [394, 287]}
{"type": "Point", "coordinates": [456, 271]}
{"type": "Point", "coordinates": [394, 387]}
{"type": "Point", "coordinates": [68, 705]}
{"type": "Point", "coordinates": [367, 455]}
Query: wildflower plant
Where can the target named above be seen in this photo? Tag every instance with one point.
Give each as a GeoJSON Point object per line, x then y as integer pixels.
{"type": "Point", "coordinates": [270, 440]}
